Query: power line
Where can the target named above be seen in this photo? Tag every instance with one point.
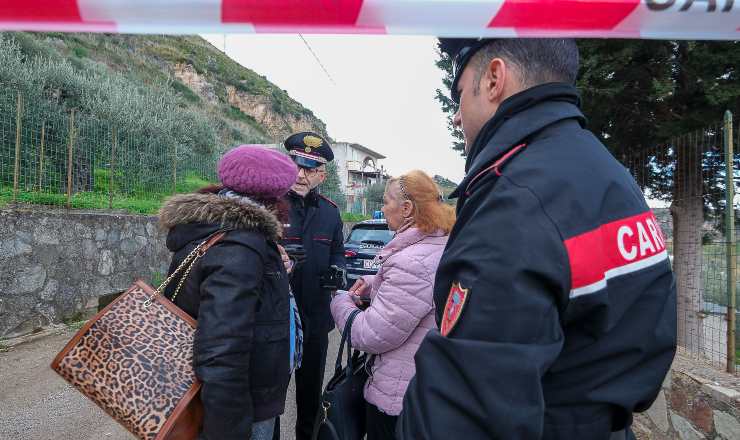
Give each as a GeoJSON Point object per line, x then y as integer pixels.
{"type": "Point", "coordinates": [317, 60]}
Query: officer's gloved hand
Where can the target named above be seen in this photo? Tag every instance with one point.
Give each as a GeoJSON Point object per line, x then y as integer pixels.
{"type": "Point", "coordinates": [335, 278]}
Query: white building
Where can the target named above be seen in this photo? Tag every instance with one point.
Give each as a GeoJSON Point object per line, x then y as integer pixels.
{"type": "Point", "coordinates": [358, 167]}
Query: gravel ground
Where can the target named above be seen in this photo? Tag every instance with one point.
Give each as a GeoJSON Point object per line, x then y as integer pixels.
{"type": "Point", "coordinates": [36, 404]}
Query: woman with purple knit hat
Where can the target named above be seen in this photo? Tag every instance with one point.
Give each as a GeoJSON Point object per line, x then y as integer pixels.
{"type": "Point", "coordinates": [238, 291]}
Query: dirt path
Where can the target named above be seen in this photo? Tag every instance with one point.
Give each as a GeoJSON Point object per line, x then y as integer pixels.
{"type": "Point", "coordinates": [36, 404]}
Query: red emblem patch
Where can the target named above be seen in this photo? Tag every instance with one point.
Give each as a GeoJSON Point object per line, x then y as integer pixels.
{"type": "Point", "coordinates": [453, 309]}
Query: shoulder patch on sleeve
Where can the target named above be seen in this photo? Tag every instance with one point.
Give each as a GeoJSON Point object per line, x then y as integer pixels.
{"type": "Point", "coordinates": [331, 202]}
{"type": "Point", "coordinates": [456, 301]}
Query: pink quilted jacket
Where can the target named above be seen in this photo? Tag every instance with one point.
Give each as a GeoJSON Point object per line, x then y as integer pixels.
{"type": "Point", "coordinates": [401, 313]}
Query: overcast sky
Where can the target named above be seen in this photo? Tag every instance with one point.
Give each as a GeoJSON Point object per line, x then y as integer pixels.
{"type": "Point", "coordinates": [382, 95]}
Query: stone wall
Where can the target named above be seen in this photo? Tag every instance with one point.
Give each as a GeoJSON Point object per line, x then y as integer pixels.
{"type": "Point", "coordinates": [54, 265]}
{"type": "Point", "coordinates": [696, 402]}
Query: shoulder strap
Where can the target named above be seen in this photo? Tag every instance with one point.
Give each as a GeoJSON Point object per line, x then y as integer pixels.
{"type": "Point", "coordinates": [199, 252]}
{"type": "Point", "coordinates": [346, 340]}
{"type": "Point", "coordinates": [187, 263]}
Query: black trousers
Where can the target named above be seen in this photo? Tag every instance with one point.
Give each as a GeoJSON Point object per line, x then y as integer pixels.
{"type": "Point", "coordinates": [309, 383]}
{"type": "Point", "coordinates": [380, 426]}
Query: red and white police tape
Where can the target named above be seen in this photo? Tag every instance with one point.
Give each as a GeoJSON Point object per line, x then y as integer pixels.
{"type": "Point", "coordinates": [654, 19]}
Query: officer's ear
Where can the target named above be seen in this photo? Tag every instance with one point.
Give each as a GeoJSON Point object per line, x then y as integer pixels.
{"type": "Point", "coordinates": [493, 80]}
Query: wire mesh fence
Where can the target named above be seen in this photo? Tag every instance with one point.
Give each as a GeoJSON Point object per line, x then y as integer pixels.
{"type": "Point", "coordinates": [71, 159]}
{"type": "Point", "coordinates": [690, 182]}
{"type": "Point", "coordinates": [75, 160]}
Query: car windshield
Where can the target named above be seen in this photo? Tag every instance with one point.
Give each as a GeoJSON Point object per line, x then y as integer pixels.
{"type": "Point", "coordinates": [370, 236]}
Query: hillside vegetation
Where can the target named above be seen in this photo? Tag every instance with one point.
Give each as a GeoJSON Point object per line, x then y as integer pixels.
{"type": "Point", "coordinates": [446, 186]}
{"type": "Point", "coordinates": [76, 66]}
{"type": "Point", "coordinates": [173, 104]}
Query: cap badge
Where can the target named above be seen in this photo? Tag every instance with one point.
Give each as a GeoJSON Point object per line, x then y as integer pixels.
{"type": "Point", "coordinates": [453, 309]}
{"type": "Point", "coordinates": [311, 142]}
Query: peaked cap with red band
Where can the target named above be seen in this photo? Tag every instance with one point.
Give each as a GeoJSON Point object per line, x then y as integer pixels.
{"type": "Point", "coordinates": [309, 149]}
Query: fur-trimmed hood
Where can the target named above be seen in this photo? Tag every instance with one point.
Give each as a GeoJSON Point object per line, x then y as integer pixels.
{"type": "Point", "coordinates": [226, 212]}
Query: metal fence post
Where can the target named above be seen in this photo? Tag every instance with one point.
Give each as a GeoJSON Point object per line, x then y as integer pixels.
{"type": "Point", "coordinates": [41, 156]}
{"type": "Point", "coordinates": [174, 172]}
{"type": "Point", "coordinates": [69, 157]}
{"type": "Point", "coordinates": [112, 167]}
{"type": "Point", "coordinates": [730, 236]}
{"type": "Point", "coordinates": [17, 164]}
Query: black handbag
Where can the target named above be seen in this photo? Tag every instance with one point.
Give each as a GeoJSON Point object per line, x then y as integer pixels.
{"type": "Point", "coordinates": [342, 412]}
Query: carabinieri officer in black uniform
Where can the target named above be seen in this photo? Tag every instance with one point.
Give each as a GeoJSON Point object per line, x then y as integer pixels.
{"type": "Point", "coordinates": [555, 298]}
{"type": "Point", "coordinates": [315, 224]}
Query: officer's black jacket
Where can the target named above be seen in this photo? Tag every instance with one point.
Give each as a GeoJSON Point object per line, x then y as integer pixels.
{"type": "Point", "coordinates": [570, 319]}
{"type": "Point", "coordinates": [315, 223]}
{"type": "Point", "coordinates": [238, 293]}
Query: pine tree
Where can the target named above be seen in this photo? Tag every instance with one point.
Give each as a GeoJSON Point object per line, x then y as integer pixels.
{"type": "Point", "coordinates": [444, 63]}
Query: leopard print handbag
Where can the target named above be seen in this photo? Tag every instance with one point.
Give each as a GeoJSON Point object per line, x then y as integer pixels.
{"type": "Point", "coordinates": [134, 359]}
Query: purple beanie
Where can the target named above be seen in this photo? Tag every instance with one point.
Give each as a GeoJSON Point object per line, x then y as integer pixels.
{"type": "Point", "coordinates": [258, 171]}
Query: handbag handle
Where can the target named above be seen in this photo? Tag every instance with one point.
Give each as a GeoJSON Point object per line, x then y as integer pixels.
{"type": "Point", "coordinates": [345, 333]}
{"type": "Point", "coordinates": [346, 340]}
{"type": "Point", "coordinates": [188, 262]}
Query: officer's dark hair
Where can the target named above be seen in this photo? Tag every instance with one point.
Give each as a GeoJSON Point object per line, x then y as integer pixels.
{"type": "Point", "coordinates": [538, 60]}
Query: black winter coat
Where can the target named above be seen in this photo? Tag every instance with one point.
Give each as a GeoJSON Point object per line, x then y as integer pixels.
{"type": "Point", "coordinates": [555, 296]}
{"type": "Point", "coordinates": [238, 293]}
{"type": "Point", "coordinates": [314, 223]}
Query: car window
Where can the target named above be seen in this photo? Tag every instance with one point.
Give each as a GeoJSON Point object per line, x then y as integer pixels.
{"type": "Point", "coordinates": [373, 236]}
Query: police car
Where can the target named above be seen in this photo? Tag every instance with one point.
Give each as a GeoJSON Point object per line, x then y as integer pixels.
{"type": "Point", "coordinates": [363, 244]}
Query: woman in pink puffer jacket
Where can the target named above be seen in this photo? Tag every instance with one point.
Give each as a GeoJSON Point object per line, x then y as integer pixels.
{"type": "Point", "coordinates": [401, 307]}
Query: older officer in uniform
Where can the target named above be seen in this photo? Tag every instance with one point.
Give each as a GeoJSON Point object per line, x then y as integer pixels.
{"type": "Point", "coordinates": [316, 225]}
{"type": "Point", "coordinates": [555, 299]}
